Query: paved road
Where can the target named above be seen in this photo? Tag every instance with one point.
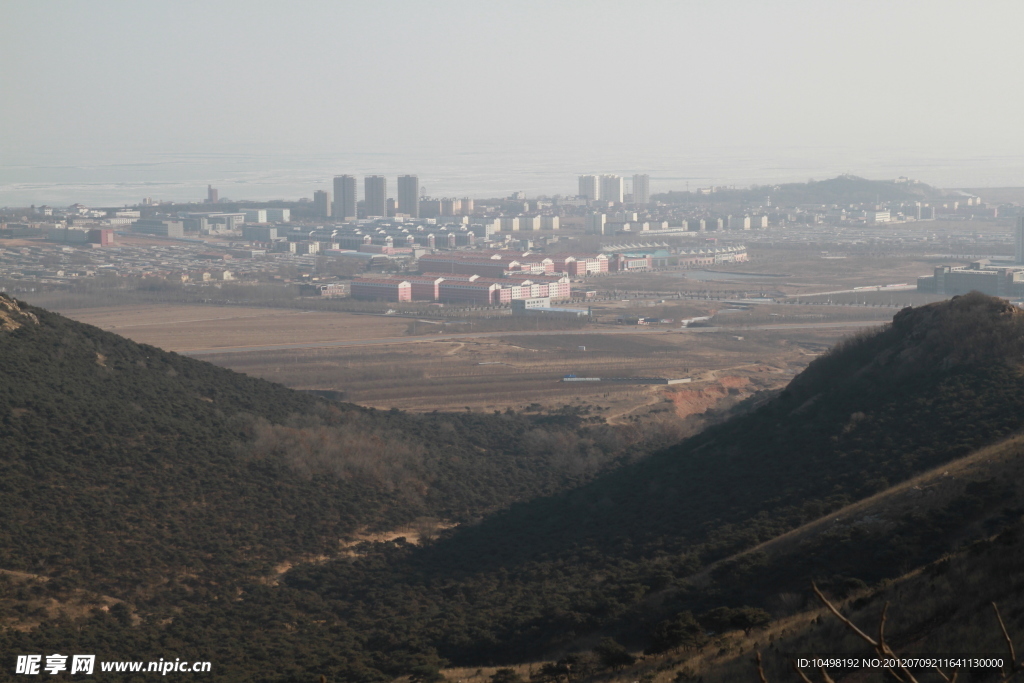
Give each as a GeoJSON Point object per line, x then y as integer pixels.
{"type": "Point", "coordinates": [860, 290]}
{"type": "Point", "coordinates": [477, 335]}
{"type": "Point", "coordinates": [793, 326]}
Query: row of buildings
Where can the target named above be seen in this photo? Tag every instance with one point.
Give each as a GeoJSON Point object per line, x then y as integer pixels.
{"type": "Point", "coordinates": [409, 202]}
{"type": "Point", "coordinates": [461, 289]}
{"type": "Point", "coordinates": [495, 277]}
{"type": "Point", "coordinates": [630, 221]}
{"type": "Point", "coordinates": [377, 204]}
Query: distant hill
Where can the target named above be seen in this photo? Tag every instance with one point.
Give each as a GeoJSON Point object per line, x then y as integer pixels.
{"type": "Point", "coordinates": [844, 189]}
{"type": "Point", "coordinates": [175, 487]}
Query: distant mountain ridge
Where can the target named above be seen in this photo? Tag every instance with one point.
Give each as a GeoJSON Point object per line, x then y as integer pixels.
{"type": "Point", "coordinates": [842, 190]}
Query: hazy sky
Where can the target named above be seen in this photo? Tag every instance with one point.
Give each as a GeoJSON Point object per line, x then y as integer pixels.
{"type": "Point", "coordinates": [115, 79]}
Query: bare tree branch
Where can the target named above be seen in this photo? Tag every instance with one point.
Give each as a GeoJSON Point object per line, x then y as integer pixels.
{"type": "Point", "coordinates": [1014, 666]}
{"type": "Point", "coordinates": [849, 624]}
{"type": "Point", "coordinates": [880, 647]}
{"type": "Point", "coordinates": [800, 673]}
{"type": "Point", "coordinates": [760, 669]}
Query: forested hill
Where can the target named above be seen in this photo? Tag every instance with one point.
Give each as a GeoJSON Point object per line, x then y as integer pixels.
{"type": "Point", "coordinates": [176, 486]}
{"type": "Point", "coordinates": [623, 550]}
{"type": "Point", "coordinates": [121, 463]}
{"type": "Point", "coordinates": [844, 189]}
{"type": "Point", "coordinates": [938, 382]}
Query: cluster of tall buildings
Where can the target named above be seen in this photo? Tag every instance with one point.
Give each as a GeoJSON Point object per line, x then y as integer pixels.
{"type": "Point", "coordinates": [375, 198]}
{"type": "Point", "coordinates": [611, 188]}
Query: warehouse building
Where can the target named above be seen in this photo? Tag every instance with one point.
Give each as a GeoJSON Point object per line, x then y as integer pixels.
{"type": "Point", "coordinates": [980, 276]}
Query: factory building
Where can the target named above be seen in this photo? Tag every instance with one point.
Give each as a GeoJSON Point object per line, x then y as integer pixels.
{"type": "Point", "coordinates": [978, 276]}
{"type": "Point", "coordinates": [623, 263]}
{"type": "Point", "coordinates": [160, 228]}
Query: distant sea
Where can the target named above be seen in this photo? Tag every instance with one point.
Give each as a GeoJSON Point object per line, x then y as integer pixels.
{"type": "Point", "coordinates": [115, 179]}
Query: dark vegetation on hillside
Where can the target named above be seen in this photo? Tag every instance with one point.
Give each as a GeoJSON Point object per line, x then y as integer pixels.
{"type": "Point", "coordinates": [943, 610]}
{"type": "Point", "coordinates": [844, 189]}
{"type": "Point", "coordinates": [156, 478]}
{"type": "Point", "coordinates": [622, 555]}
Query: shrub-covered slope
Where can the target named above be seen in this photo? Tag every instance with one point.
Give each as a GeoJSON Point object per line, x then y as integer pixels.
{"type": "Point", "coordinates": [938, 383]}
{"type": "Point", "coordinates": [613, 555]}
{"type": "Point", "coordinates": [122, 463]}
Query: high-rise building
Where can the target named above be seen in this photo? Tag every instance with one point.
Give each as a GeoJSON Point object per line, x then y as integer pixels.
{"type": "Point", "coordinates": [467, 206]}
{"type": "Point", "coordinates": [590, 187]}
{"type": "Point", "coordinates": [212, 195]}
{"type": "Point", "coordinates": [641, 188]}
{"type": "Point", "coordinates": [409, 195]}
{"type": "Point", "coordinates": [345, 197]}
{"type": "Point", "coordinates": [450, 206]}
{"type": "Point", "coordinates": [594, 224]}
{"type": "Point", "coordinates": [375, 195]}
{"type": "Point", "coordinates": [322, 203]}
{"type": "Point", "coordinates": [1018, 252]}
{"type": "Point", "coordinates": [612, 188]}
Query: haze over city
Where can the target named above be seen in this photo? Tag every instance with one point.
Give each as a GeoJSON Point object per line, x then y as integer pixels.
{"type": "Point", "coordinates": [107, 98]}
{"type": "Point", "coordinates": [521, 342]}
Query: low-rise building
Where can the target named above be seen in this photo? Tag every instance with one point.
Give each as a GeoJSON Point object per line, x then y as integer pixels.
{"type": "Point", "coordinates": [158, 227]}
{"type": "Point", "coordinates": [475, 293]}
{"type": "Point", "coordinates": [381, 289]}
{"type": "Point", "coordinates": [978, 276]}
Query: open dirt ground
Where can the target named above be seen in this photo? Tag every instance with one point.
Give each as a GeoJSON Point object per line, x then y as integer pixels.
{"type": "Point", "coordinates": [501, 370]}
{"type": "Point", "coordinates": [525, 371]}
{"type": "Point", "coordinates": [185, 327]}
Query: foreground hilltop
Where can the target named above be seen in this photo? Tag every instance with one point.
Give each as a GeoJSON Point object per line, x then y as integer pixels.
{"type": "Point", "coordinates": [185, 491]}
{"type": "Point", "coordinates": [667, 535]}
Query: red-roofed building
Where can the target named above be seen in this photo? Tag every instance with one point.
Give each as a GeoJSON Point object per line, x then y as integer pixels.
{"type": "Point", "coordinates": [468, 292]}
{"type": "Point", "coordinates": [458, 277]}
{"type": "Point", "coordinates": [381, 289]}
{"type": "Point", "coordinates": [425, 288]}
{"type": "Point", "coordinates": [584, 264]}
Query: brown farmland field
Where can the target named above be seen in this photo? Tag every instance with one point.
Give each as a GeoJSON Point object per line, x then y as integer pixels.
{"type": "Point", "coordinates": [186, 327]}
{"type": "Point", "coordinates": [499, 371]}
{"type": "Point", "coordinates": [525, 371]}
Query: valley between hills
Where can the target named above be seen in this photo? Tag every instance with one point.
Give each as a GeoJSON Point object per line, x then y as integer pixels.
{"type": "Point", "coordinates": [155, 503]}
